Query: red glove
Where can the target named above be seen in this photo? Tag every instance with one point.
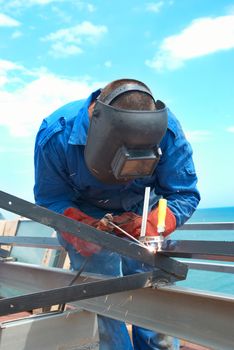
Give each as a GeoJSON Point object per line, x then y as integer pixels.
{"type": "Point", "coordinates": [152, 222]}
{"type": "Point", "coordinates": [128, 221]}
{"type": "Point", "coordinates": [131, 223]}
{"type": "Point", "coordinates": [83, 247]}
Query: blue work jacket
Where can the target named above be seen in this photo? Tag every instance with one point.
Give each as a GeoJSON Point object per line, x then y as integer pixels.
{"type": "Point", "coordinates": [63, 180]}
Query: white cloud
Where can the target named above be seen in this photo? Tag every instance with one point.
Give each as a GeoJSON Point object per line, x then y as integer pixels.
{"type": "Point", "coordinates": [69, 41]}
{"type": "Point", "coordinates": [41, 2]}
{"type": "Point", "coordinates": [6, 67]}
{"type": "Point", "coordinates": [17, 34]}
{"type": "Point", "coordinates": [202, 37]}
{"type": "Point", "coordinates": [22, 109]}
{"type": "Point", "coordinates": [108, 64]}
{"type": "Point", "coordinates": [61, 49]}
{"type": "Point", "coordinates": [230, 129]}
{"type": "Point", "coordinates": [154, 6]}
{"type": "Point", "coordinates": [197, 136]}
{"type": "Point", "coordinates": [22, 4]}
{"type": "Point", "coordinates": [73, 33]}
{"type": "Point", "coordinates": [91, 8]}
{"type": "Point", "coordinates": [26, 3]}
{"type": "Point", "coordinates": [6, 21]}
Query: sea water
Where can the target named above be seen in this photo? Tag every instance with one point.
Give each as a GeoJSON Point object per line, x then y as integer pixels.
{"type": "Point", "coordinates": [208, 280]}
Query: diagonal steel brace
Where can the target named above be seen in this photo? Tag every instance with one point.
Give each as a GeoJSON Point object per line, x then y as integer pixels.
{"type": "Point", "coordinates": [62, 223]}
{"type": "Point", "coordinates": [81, 291]}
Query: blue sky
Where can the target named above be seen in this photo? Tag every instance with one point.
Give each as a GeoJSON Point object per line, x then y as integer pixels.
{"type": "Point", "coordinates": [56, 51]}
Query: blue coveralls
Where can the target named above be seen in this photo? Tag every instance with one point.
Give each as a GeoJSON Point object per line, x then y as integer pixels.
{"type": "Point", "coordinates": [63, 180]}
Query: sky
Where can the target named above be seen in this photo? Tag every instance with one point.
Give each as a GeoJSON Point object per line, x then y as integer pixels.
{"type": "Point", "coordinates": [56, 51]}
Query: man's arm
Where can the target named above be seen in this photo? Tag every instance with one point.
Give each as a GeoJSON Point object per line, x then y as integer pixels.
{"type": "Point", "coordinates": [176, 176]}
{"type": "Point", "coordinates": [54, 191]}
{"type": "Point", "coordinates": [52, 188]}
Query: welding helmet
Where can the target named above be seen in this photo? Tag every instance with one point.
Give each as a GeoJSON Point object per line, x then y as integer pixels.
{"type": "Point", "coordinates": [122, 144]}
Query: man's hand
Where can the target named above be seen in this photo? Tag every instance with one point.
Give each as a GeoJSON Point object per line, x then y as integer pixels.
{"type": "Point", "coordinates": [131, 223]}
{"type": "Point", "coordinates": [152, 223]}
{"type": "Point", "coordinates": [83, 247]}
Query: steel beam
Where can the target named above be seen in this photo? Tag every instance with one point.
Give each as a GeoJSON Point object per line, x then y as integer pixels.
{"type": "Point", "coordinates": [199, 317]}
{"type": "Point", "coordinates": [209, 266]}
{"type": "Point", "coordinates": [79, 331]}
{"type": "Point", "coordinates": [20, 278]}
{"type": "Point", "coordinates": [207, 226]}
{"type": "Point", "coordinates": [212, 250]}
{"type": "Point", "coordinates": [27, 241]}
{"type": "Point", "coordinates": [81, 291]}
{"type": "Point", "coordinates": [177, 248]}
{"type": "Point", "coordinates": [64, 224]}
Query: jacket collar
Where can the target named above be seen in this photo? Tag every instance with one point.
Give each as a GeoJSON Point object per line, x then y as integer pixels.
{"type": "Point", "coordinates": [80, 127]}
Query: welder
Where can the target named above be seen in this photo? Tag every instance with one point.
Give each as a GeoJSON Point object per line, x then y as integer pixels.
{"type": "Point", "coordinates": [96, 156]}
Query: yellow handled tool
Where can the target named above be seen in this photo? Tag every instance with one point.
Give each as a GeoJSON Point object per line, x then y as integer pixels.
{"type": "Point", "coordinates": [154, 243]}
{"type": "Point", "coordinates": [162, 211]}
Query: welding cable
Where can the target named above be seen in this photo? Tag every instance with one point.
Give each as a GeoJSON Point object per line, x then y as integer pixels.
{"type": "Point", "coordinates": [74, 278]}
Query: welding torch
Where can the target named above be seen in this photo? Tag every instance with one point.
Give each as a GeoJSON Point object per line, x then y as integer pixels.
{"type": "Point", "coordinates": [154, 243]}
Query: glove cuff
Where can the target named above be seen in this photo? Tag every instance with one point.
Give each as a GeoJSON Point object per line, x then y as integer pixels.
{"type": "Point", "coordinates": [170, 223]}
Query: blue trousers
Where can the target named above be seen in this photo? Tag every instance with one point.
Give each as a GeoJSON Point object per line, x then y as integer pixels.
{"type": "Point", "coordinates": [113, 334]}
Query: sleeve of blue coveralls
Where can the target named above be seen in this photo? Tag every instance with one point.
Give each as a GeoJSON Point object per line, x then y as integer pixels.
{"type": "Point", "coordinates": [176, 176]}
{"type": "Point", "coordinates": [52, 189]}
